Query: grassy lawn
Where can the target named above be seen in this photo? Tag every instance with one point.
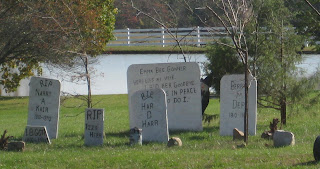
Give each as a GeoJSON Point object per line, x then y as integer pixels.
{"type": "Point", "coordinates": [200, 149]}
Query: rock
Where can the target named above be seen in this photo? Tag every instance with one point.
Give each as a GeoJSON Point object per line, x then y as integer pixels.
{"type": "Point", "coordinates": [135, 136]}
{"type": "Point", "coordinates": [266, 135]}
{"type": "Point", "coordinates": [16, 146]}
{"type": "Point", "coordinates": [283, 138]}
{"type": "Point", "coordinates": [174, 141]}
{"type": "Point", "coordinates": [237, 134]}
{"type": "Point", "coordinates": [316, 149]}
{"type": "Point", "coordinates": [243, 145]}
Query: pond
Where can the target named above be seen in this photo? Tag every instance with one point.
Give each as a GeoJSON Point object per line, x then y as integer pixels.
{"type": "Point", "coordinates": [110, 72]}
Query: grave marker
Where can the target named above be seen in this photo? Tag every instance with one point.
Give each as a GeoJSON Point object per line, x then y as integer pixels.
{"type": "Point", "coordinates": [181, 83]}
{"type": "Point", "coordinates": [44, 104]}
{"type": "Point", "coordinates": [36, 134]}
{"type": "Point", "coordinates": [94, 124]}
{"type": "Point", "coordinates": [232, 104]}
{"type": "Point", "coordinates": [148, 111]}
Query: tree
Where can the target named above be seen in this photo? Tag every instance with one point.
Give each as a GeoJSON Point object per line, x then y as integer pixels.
{"type": "Point", "coordinates": [275, 50]}
{"type": "Point", "coordinates": [307, 20]}
{"type": "Point", "coordinates": [51, 32]}
{"type": "Point", "coordinates": [221, 61]}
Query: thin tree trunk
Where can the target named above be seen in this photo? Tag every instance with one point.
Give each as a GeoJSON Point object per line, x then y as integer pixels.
{"type": "Point", "coordinates": [283, 111]}
{"type": "Point", "coordinates": [89, 101]}
{"type": "Point", "coordinates": [246, 114]}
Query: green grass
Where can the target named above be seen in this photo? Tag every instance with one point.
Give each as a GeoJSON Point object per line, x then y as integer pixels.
{"type": "Point", "coordinates": [206, 149]}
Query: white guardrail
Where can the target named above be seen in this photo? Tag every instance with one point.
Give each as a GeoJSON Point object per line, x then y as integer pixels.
{"type": "Point", "coordinates": [196, 36]}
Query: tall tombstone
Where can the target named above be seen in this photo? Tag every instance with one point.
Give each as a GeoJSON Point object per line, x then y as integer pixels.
{"type": "Point", "coordinates": [181, 83]}
{"type": "Point", "coordinates": [232, 104]}
{"type": "Point", "coordinates": [94, 124]}
{"type": "Point", "coordinates": [148, 111]}
{"type": "Point", "coordinates": [44, 104]}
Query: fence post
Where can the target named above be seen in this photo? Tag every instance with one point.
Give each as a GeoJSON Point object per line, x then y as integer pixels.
{"type": "Point", "coordinates": [198, 36]}
{"type": "Point", "coordinates": [162, 32]}
{"type": "Point", "coordinates": [128, 33]}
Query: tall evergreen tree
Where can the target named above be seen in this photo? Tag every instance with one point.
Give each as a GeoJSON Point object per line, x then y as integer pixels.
{"type": "Point", "coordinates": [274, 48]}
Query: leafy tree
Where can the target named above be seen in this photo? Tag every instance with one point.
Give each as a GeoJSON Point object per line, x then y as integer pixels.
{"type": "Point", "coordinates": [275, 50]}
{"type": "Point", "coordinates": [307, 20]}
{"type": "Point", "coordinates": [52, 32]}
{"type": "Point", "coordinates": [222, 61]}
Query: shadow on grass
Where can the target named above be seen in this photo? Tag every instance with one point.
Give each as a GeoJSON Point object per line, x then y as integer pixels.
{"type": "Point", "coordinates": [211, 129]}
{"type": "Point", "coordinates": [3, 98]}
{"type": "Point", "coordinates": [118, 134]}
{"type": "Point", "coordinates": [309, 163]}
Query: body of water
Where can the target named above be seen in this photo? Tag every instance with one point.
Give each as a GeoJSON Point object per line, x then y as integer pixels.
{"type": "Point", "coordinates": [110, 72]}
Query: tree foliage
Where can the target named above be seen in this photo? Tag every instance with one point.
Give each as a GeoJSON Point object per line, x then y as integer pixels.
{"type": "Point", "coordinates": [222, 61]}
{"type": "Point", "coordinates": [52, 32]}
{"type": "Point", "coordinates": [307, 21]}
{"type": "Point", "coordinates": [275, 48]}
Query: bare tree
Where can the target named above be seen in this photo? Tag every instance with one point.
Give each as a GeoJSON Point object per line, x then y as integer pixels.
{"type": "Point", "coordinates": [234, 15]}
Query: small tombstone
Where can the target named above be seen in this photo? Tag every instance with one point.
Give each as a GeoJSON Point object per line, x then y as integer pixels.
{"type": "Point", "coordinates": [283, 138]}
{"type": "Point", "coordinates": [174, 141]}
{"type": "Point", "coordinates": [36, 134]}
{"type": "Point", "coordinates": [237, 134]}
{"type": "Point", "coordinates": [181, 83]}
{"type": "Point", "coordinates": [16, 146]}
{"type": "Point", "coordinates": [148, 111]}
{"type": "Point", "coordinates": [135, 136]}
{"type": "Point", "coordinates": [316, 149]}
{"type": "Point", "coordinates": [232, 104]}
{"type": "Point", "coordinates": [94, 124]}
{"type": "Point", "coordinates": [44, 104]}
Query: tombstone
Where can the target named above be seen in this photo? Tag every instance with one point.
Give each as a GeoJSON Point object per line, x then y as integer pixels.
{"type": "Point", "coordinates": [94, 125]}
{"type": "Point", "coordinates": [36, 134]}
{"type": "Point", "coordinates": [232, 104]}
{"type": "Point", "coordinates": [181, 84]}
{"type": "Point", "coordinates": [148, 111]}
{"type": "Point", "coordinates": [283, 138]}
{"type": "Point", "coordinates": [316, 149]}
{"type": "Point", "coordinates": [44, 104]}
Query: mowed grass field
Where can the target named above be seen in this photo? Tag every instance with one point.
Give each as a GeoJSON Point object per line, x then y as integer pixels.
{"type": "Point", "coordinates": [206, 149]}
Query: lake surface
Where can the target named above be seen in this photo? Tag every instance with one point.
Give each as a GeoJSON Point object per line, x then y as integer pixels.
{"type": "Point", "coordinates": [110, 75]}
{"type": "Point", "coordinates": [110, 72]}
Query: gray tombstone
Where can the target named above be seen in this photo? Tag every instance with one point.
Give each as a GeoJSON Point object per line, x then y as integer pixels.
{"type": "Point", "coordinates": [44, 104]}
{"type": "Point", "coordinates": [36, 134]}
{"type": "Point", "coordinates": [94, 124]}
{"type": "Point", "coordinates": [148, 111]}
{"type": "Point", "coordinates": [232, 104]}
{"type": "Point", "coordinates": [181, 83]}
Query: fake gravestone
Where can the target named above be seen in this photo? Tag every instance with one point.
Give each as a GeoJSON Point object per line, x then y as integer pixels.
{"type": "Point", "coordinates": [94, 122]}
{"type": "Point", "coordinates": [232, 104]}
{"type": "Point", "coordinates": [181, 83]}
{"type": "Point", "coordinates": [44, 104]}
{"type": "Point", "coordinates": [36, 134]}
{"type": "Point", "coordinates": [148, 111]}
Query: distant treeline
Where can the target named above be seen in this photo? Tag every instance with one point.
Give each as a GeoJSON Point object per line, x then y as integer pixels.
{"type": "Point", "coordinates": [174, 13]}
